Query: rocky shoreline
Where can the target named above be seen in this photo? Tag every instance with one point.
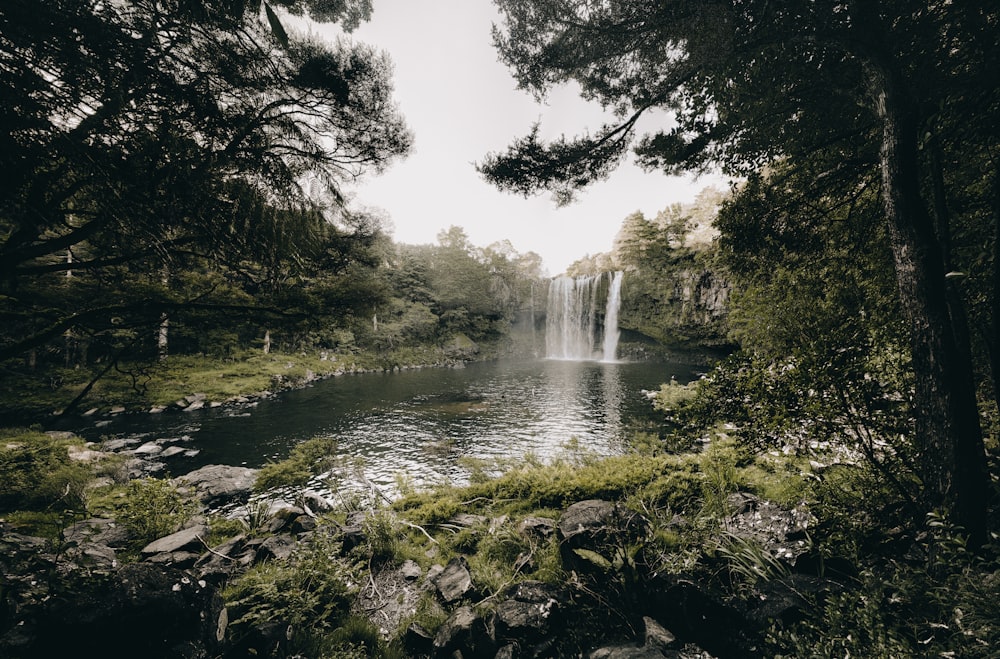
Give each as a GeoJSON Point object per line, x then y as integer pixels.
{"type": "Point", "coordinates": [82, 593]}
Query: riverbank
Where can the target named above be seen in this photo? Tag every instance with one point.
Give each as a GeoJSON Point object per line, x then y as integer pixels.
{"type": "Point", "coordinates": [578, 556]}
{"type": "Point", "coordinates": [194, 381]}
{"type": "Point", "coordinates": [712, 552]}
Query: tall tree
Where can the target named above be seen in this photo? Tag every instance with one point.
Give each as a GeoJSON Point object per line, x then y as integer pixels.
{"type": "Point", "coordinates": [750, 82]}
{"type": "Point", "coordinates": [172, 136]}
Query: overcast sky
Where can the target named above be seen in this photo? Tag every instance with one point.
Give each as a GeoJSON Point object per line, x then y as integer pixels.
{"type": "Point", "coordinates": [461, 103]}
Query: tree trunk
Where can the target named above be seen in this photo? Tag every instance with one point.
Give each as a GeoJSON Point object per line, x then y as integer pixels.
{"type": "Point", "coordinates": [991, 341]}
{"type": "Point", "coordinates": [948, 434]}
{"type": "Point", "coordinates": [163, 337]}
{"type": "Point", "coordinates": [267, 342]}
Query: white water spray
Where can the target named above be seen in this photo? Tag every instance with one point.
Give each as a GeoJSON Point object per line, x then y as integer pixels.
{"type": "Point", "coordinates": [571, 326]}
{"type": "Point", "coordinates": [611, 332]}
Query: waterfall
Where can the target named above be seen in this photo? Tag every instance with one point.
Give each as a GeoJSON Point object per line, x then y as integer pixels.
{"type": "Point", "coordinates": [571, 325]}
{"type": "Point", "coordinates": [611, 332]}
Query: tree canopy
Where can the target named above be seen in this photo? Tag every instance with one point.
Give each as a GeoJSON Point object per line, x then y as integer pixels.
{"type": "Point", "coordinates": [161, 156]}
{"type": "Point", "coordinates": [855, 97]}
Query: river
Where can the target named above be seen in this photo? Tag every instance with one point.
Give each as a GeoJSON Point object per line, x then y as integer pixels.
{"type": "Point", "coordinates": [421, 423]}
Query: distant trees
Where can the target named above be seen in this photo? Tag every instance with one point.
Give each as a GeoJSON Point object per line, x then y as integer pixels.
{"type": "Point", "coordinates": [163, 161]}
{"type": "Point", "coordinates": [453, 287]}
{"type": "Point", "coordinates": [864, 96]}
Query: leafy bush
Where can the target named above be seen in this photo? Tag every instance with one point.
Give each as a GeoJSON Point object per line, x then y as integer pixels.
{"type": "Point", "coordinates": [307, 597]}
{"type": "Point", "coordinates": [36, 472]}
{"type": "Point", "coordinates": [152, 509]}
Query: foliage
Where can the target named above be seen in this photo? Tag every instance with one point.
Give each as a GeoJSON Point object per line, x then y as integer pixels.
{"type": "Point", "coordinates": [141, 212]}
{"type": "Point", "coordinates": [153, 508]}
{"type": "Point", "coordinates": [308, 597]}
{"type": "Point", "coordinates": [939, 602]}
{"type": "Point", "coordinates": [36, 472]}
{"type": "Point", "coordinates": [307, 459]}
{"type": "Point", "coordinates": [861, 113]}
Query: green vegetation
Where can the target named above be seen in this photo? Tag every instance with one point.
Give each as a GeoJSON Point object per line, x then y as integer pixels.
{"type": "Point", "coordinates": [37, 473]}
{"type": "Point", "coordinates": [310, 458]}
{"type": "Point", "coordinates": [152, 508]}
{"type": "Point", "coordinates": [308, 596]}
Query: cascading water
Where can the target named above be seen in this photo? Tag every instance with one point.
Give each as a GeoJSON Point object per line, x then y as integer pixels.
{"type": "Point", "coordinates": [611, 332]}
{"type": "Point", "coordinates": [571, 326]}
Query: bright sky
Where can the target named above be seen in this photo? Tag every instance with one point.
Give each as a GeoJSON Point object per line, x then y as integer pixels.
{"type": "Point", "coordinates": [461, 103]}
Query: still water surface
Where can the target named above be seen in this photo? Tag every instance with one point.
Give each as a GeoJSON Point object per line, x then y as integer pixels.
{"type": "Point", "coordinates": [422, 422]}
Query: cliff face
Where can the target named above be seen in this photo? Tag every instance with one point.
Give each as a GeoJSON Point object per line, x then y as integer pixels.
{"type": "Point", "coordinates": [683, 305]}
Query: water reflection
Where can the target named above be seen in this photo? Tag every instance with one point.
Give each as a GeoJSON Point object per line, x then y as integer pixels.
{"type": "Point", "coordinates": [422, 423]}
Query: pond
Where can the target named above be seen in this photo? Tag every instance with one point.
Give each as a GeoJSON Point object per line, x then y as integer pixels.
{"type": "Point", "coordinates": [422, 423]}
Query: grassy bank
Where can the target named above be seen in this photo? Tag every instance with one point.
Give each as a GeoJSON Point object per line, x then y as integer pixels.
{"type": "Point", "coordinates": [29, 397]}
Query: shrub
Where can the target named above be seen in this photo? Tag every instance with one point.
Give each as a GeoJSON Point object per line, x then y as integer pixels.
{"type": "Point", "coordinates": [307, 597]}
{"type": "Point", "coordinates": [152, 509]}
{"type": "Point", "coordinates": [36, 472]}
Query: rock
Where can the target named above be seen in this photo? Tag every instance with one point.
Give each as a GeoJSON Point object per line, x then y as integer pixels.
{"type": "Point", "coordinates": [171, 451]}
{"type": "Point", "coordinates": [303, 524]}
{"type": "Point", "coordinates": [410, 570]}
{"type": "Point", "coordinates": [220, 484]}
{"type": "Point", "coordinates": [353, 532]}
{"type": "Point", "coordinates": [467, 520]}
{"type": "Point", "coordinates": [315, 503]}
{"type": "Point", "coordinates": [190, 537]}
{"type": "Point", "coordinates": [276, 547]}
{"type": "Point", "coordinates": [148, 449]}
{"type": "Point", "coordinates": [157, 409]}
{"type": "Point", "coordinates": [463, 631]}
{"type": "Point", "coordinates": [583, 523]}
{"type": "Point", "coordinates": [657, 635]}
{"type": "Point", "coordinates": [96, 531]}
{"type": "Point", "coordinates": [454, 582]}
{"type": "Point", "coordinates": [81, 454]}
{"type": "Point", "coordinates": [222, 555]}
{"type": "Point", "coordinates": [195, 398]}
{"type": "Point", "coordinates": [117, 409]}
{"type": "Point", "coordinates": [529, 615]}
{"type": "Point", "coordinates": [181, 560]}
{"type": "Point", "coordinates": [599, 527]}
{"type": "Point", "coordinates": [196, 405]}
{"type": "Point", "coordinates": [417, 640]}
{"type": "Point", "coordinates": [92, 556]}
{"type": "Point", "coordinates": [630, 651]}
{"type": "Point", "coordinates": [118, 444]}
{"type": "Point", "coordinates": [537, 527]}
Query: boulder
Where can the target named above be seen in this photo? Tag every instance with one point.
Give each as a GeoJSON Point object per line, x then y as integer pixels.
{"type": "Point", "coordinates": [455, 581]}
{"type": "Point", "coordinates": [148, 449]}
{"type": "Point", "coordinates": [96, 530]}
{"type": "Point", "coordinates": [276, 547]}
{"type": "Point", "coordinates": [465, 632]}
{"type": "Point", "coordinates": [410, 570]}
{"type": "Point", "coordinates": [417, 640]}
{"type": "Point", "coordinates": [189, 538]}
{"type": "Point", "coordinates": [592, 532]}
{"type": "Point", "coordinates": [92, 556]}
{"type": "Point", "coordinates": [220, 484]}
{"type": "Point", "coordinates": [541, 528]}
{"type": "Point", "coordinates": [529, 614]}
{"type": "Point", "coordinates": [220, 561]}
